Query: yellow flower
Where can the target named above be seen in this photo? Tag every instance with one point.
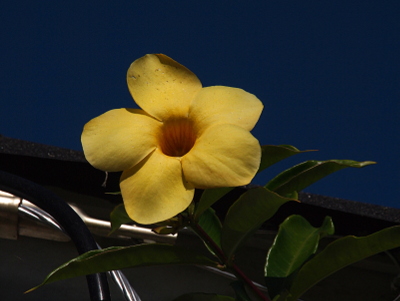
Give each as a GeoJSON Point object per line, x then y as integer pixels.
{"type": "Point", "coordinates": [185, 137]}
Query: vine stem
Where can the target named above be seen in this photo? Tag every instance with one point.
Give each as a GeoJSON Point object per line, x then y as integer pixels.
{"type": "Point", "coordinates": [221, 256]}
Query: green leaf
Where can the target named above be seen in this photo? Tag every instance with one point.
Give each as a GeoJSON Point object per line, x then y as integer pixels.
{"type": "Point", "coordinates": [304, 174]}
{"type": "Point", "coordinates": [208, 198]}
{"type": "Point", "coordinates": [272, 154]}
{"type": "Point", "coordinates": [118, 217]}
{"type": "Point", "coordinates": [203, 297]}
{"type": "Point", "coordinates": [281, 297]}
{"type": "Point", "coordinates": [341, 253]}
{"type": "Point", "coordinates": [295, 242]}
{"type": "Point", "coordinates": [211, 224]}
{"type": "Point", "coordinates": [246, 215]}
{"type": "Point", "coordinates": [115, 258]}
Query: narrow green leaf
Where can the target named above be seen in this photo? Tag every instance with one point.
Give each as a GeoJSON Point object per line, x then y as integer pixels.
{"type": "Point", "coordinates": [272, 154]}
{"type": "Point", "coordinates": [341, 253]}
{"type": "Point", "coordinates": [295, 243]}
{"type": "Point", "coordinates": [118, 217]}
{"type": "Point", "coordinates": [208, 198]}
{"type": "Point", "coordinates": [115, 258]}
{"type": "Point", "coordinates": [304, 174]}
{"type": "Point", "coordinates": [246, 215]}
{"type": "Point", "coordinates": [203, 297]}
{"type": "Point", "coordinates": [211, 224]}
{"type": "Point", "coordinates": [114, 193]}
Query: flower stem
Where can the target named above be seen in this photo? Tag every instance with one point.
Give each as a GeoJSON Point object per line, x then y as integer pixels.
{"type": "Point", "coordinates": [224, 261]}
{"type": "Point", "coordinates": [240, 275]}
{"type": "Point", "coordinates": [210, 242]}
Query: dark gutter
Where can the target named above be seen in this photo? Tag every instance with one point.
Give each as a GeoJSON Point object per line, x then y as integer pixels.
{"type": "Point", "coordinates": [69, 170]}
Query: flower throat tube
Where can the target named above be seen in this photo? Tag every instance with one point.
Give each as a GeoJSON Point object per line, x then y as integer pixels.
{"type": "Point", "coordinates": [183, 137]}
{"type": "Point", "coordinates": [177, 137]}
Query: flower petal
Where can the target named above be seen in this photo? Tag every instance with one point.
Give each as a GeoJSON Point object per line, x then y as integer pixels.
{"type": "Point", "coordinates": [161, 86]}
{"type": "Point", "coordinates": [119, 139]}
{"type": "Point", "coordinates": [224, 156]}
{"type": "Point", "coordinates": [155, 190]}
{"type": "Point", "coordinates": [218, 105]}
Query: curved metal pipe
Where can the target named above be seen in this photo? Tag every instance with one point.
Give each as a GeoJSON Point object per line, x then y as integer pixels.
{"type": "Point", "coordinates": [68, 219]}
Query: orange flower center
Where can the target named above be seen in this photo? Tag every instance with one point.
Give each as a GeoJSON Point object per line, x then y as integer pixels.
{"type": "Point", "coordinates": [177, 137]}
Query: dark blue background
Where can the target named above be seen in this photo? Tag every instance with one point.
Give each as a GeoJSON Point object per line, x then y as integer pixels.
{"type": "Point", "coordinates": [328, 73]}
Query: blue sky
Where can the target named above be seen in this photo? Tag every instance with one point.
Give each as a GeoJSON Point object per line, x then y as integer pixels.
{"type": "Point", "coordinates": [328, 73]}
